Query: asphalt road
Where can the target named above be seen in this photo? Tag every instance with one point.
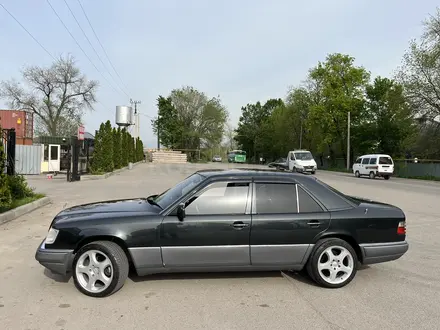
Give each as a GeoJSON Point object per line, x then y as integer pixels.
{"type": "Point", "coordinates": [404, 294]}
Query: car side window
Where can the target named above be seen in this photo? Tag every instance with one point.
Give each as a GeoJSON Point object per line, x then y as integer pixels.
{"type": "Point", "coordinates": [365, 160]}
{"type": "Point", "coordinates": [274, 198]}
{"type": "Point", "coordinates": [306, 203]}
{"type": "Point", "coordinates": [358, 161]}
{"type": "Point", "coordinates": [219, 198]}
{"type": "Point", "coordinates": [373, 161]}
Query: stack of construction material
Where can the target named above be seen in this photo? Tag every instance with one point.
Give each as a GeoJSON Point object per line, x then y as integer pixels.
{"type": "Point", "coordinates": [169, 156]}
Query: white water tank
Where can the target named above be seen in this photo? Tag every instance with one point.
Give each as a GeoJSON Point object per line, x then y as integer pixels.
{"type": "Point", "coordinates": [124, 115]}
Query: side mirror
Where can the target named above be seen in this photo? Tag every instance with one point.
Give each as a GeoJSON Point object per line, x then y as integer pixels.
{"type": "Point", "coordinates": [181, 211]}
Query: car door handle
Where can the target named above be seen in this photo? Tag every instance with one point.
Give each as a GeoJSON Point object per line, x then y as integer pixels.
{"type": "Point", "coordinates": [240, 225]}
{"type": "Point", "coordinates": [314, 223]}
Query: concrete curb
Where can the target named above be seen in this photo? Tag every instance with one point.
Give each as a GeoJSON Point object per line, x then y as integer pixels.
{"type": "Point", "coordinates": [106, 175]}
{"type": "Point", "coordinates": [21, 210]}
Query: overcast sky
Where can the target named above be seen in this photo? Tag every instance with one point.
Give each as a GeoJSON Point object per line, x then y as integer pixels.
{"type": "Point", "coordinates": [243, 50]}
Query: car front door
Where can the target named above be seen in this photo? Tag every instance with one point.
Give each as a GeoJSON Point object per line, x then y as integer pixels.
{"type": "Point", "coordinates": [215, 229]}
{"type": "Point", "coordinates": [285, 221]}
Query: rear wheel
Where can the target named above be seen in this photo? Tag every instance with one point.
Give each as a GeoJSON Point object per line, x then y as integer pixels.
{"type": "Point", "coordinates": [357, 174]}
{"type": "Point", "coordinates": [372, 175]}
{"type": "Point", "coordinates": [333, 263]}
{"type": "Point", "coordinates": [386, 177]}
{"type": "Point", "coordinates": [100, 268]}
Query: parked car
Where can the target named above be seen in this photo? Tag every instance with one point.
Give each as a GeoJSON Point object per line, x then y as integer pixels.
{"type": "Point", "coordinates": [376, 165]}
{"type": "Point", "coordinates": [280, 163]}
{"type": "Point", "coordinates": [224, 220]}
{"type": "Point", "coordinates": [301, 161]}
{"type": "Point", "coordinates": [217, 158]}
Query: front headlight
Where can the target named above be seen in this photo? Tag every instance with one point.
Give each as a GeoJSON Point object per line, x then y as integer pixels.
{"type": "Point", "coordinates": [51, 236]}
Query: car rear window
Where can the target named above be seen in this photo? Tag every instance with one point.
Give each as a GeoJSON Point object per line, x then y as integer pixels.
{"type": "Point", "coordinates": [385, 161]}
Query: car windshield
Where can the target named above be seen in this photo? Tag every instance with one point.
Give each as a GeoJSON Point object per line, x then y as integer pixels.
{"type": "Point", "coordinates": [303, 156]}
{"type": "Point", "coordinates": [171, 195]}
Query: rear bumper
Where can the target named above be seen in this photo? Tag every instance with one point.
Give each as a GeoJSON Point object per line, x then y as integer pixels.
{"type": "Point", "coordinates": [57, 261]}
{"type": "Point", "coordinates": [384, 173]}
{"type": "Point", "coordinates": [382, 252]}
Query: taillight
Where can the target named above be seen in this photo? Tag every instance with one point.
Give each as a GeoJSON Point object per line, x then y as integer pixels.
{"type": "Point", "coordinates": [401, 228]}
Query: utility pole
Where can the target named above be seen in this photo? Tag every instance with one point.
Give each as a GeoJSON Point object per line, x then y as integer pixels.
{"type": "Point", "coordinates": [136, 118]}
{"type": "Point", "coordinates": [348, 141]}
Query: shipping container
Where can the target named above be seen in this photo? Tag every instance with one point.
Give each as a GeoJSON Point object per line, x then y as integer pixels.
{"type": "Point", "coordinates": [21, 121]}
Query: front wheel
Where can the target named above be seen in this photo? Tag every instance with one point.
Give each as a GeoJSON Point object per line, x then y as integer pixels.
{"type": "Point", "coordinates": [357, 174]}
{"type": "Point", "coordinates": [333, 263]}
{"type": "Point", "coordinates": [100, 268]}
{"type": "Point", "coordinates": [313, 172]}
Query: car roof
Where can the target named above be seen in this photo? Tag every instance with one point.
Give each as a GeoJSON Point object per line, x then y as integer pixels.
{"type": "Point", "coordinates": [331, 198]}
{"type": "Point", "coordinates": [375, 155]}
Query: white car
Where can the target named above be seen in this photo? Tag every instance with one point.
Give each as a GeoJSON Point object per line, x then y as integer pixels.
{"type": "Point", "coordinates": [374, 165]}
{"type": "Point", "coordinates": [301, 161]}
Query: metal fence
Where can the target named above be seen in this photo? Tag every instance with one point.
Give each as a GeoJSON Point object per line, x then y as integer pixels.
{"type": "Point", "coordinates": [28, 159]}
{"type": "Point", "coordinates": [407, 168]}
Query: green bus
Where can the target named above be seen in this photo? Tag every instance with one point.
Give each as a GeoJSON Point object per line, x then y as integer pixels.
{"type": "Point", "coordinates": [237, 156]}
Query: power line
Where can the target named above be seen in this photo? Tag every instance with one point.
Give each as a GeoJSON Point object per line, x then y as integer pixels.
{"type": "Point", "coordinates": [30, 34]}
{"type": "Point", "coordinates": [99, 41]}
{"type": "Point", "coordinates": [91, 45]}
{"type": "Point", "coordinates": [67, 29]}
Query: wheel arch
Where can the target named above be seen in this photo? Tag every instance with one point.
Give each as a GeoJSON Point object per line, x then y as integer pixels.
{"type": "Point", "coordinates": [109, 238]}
{"type": "Point", "coordinates": [345, 237]}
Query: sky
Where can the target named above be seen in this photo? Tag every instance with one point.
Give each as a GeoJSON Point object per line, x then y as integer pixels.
{"type": "Point", "coordinates": [243, 51]}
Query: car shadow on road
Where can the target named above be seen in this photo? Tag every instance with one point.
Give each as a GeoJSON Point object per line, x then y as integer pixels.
{"type": "Point", "coordinates": [203, 276]}
{"type": "Point", "coordinates": [57, 277]}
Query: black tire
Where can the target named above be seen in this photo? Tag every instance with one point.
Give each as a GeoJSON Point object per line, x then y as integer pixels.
{"type": "Point", "coordinates": [386, 177]}
{"type": "Point", "coordinates": [313, 172]}
{"type": "Point", "coordinates": [319, 248]}
{"type": "Point", "coordinates": [357, 174]}
{"type": "Point", "coordinates": [119, 262]}
{"type": "Point", "coordinates": [372, 175]}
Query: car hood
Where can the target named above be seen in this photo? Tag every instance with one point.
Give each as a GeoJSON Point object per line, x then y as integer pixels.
{"type": "Point", "coordinates": [306, 162]}
{"type": "Point", "coordinates": [132, 205]}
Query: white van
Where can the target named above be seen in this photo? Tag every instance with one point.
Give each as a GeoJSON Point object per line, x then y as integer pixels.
{"type": "Point", "coordinates": [374, 165]}
{"type": "Point", "coordinates": [301, 161]}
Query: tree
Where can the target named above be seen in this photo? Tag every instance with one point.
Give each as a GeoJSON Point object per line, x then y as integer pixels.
{"type": "Point", "coordinates": [57, 95]}
{"type": "Point", "coordinates": [98, 151]}
{"type": "Point", "coordinates": [229, 132]}
{"type": "Point", "coordinates": [420, 70]}
{"type": "Point", "coordinates": [125, 146]}
{"type": "Point", "coordinates": [342, 90]}
{"type": "Point", "coordinates": [188, 119]}
{"type": "Point", "coordinates": [107, 157]}
{"type": "Point", "coordinates": [117, 144]}
{"type": "Point", "coordinates": [251, 126]}
{"type": "Point", "coordinates": [387, 123]}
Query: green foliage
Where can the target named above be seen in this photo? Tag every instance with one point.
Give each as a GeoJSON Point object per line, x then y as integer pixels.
{"type": "Point", "coordinates": [97, 164]}
{"type": "Point", "coordinates": [254, 132]}
{"type": "Point", "coordinates": [18, 187]}
{"type": "Point", "coordinates": [117, 144]}
{"type": "Point", "coordinates": [125, 147]}
{"type": "Point", "coordinates": [107, 142]}
{"type": "Point", "coordinates": [5, 193]}
{"type": "Point", "coordinates": [188, 119]}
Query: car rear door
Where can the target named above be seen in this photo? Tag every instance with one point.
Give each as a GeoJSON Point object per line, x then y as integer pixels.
{"type": "Point", "coordinates": [363, 166]}
{"type": "Point", "coordinates": [285, 221]}
{"type": "Point", "coordinates": [215, 231]}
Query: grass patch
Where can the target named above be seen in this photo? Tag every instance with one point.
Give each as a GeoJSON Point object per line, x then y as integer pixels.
{"type": "Point", "coordinates": [22, 201]}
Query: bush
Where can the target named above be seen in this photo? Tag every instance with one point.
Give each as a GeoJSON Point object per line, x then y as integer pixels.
{"type": "Point", "coordinates": [19, 188]}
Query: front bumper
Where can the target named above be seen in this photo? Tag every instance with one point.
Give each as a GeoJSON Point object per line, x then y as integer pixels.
{"type": "Point", "coordinates": [307, 169]}
{"type": "Point", "coordinates": [57, 261]}
{"type": "Point", "coordinates": [382, 252]}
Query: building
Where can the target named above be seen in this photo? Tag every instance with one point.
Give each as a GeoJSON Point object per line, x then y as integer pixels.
{"type": "Point", "coordinates": [23, 123]}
